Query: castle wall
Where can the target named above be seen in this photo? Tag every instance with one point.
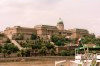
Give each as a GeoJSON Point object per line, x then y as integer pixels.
{"type": "Point", "coordinates": [46, 30]}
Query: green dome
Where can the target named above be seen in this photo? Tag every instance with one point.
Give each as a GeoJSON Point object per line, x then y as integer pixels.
{"type": "Point", "coordinates": [60, 21]}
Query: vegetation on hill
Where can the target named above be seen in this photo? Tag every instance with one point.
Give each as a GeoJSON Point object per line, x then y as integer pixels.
{"type": "Point", "coordinates": [58, 40]}
{"type": "Point", "coordinates": [91, 39]}
{"type": "Point", "coordinates": [39, 47]}
{"type": "Point", "coordinates": [8, 48]}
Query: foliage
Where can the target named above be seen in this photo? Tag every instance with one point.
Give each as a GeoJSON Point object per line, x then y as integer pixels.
{"type": "Point", "coordinates": [4, 51]}
{"type": "Point", "coordinates": [25, 52]}
{"type": "Point", "coordinates": [50, 46]}
{"type": "Point", "coordinates": [9, 48]}
{"type": "Point", "coordinates": [52, 51]}
{"type": "Point", "coordinates": [67, 52]}
{"type": "Point", "coordinates": [88, 39]}
{"type": "Point", "coordinates": [64, 53]}
{"type": "Point", "coordinates": [19, 54]}
{"type": "Point", "coordinates": [26, 45]}
{"type": "Point", "coordinates": [33, 36]}
{"type": "Point", "coordinates": [0, 48]}
{"type": "Point", "coordinates": [97, 41]}
{"type": "Point", "coordinates": [43, 47]}
{"type": "Point", "coordinates": [43, 50]}
{"type": "Point", "coordinates": [18, 36]}
{"type": "Point", "coordinates": [59, 39]}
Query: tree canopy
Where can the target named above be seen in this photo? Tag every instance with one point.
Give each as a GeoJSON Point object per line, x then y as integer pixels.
{"type": "Point", "coordinates": [59, 39]}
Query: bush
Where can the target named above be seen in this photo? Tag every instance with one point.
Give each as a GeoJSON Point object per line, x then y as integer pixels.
{"type": "Point", "coordinates": [19, 54]}
{"type": "Point", "coordinates": [64, 53]}
{"type": "Point", "coordinates": [25, 52]}
{"type": "Point", "coordinates": [18, 36]}
{"type": "Point", "coordinates": [67, 53]}
{"type": "Point", "coordinates": [33, 36]}
{"type": "Point", "coordinates": [0, 48]}
{"type": "Point", "coordinates": [8, 48]}
{"type": "Point", "coordinates": [59, 40]}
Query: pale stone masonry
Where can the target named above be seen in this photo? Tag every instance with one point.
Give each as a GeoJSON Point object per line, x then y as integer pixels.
{"type": "Point", "coordinates": [78, 32]}
{"type": "Point", "coordinates": [45, 31]}
{"type": "Point", "coordinates": [17, 29]}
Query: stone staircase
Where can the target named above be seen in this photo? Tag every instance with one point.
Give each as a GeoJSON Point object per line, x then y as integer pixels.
{"type": "Point", "coordinates": [14, 42]}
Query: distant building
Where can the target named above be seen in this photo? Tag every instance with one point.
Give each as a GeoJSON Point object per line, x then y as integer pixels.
{"type": "Point", "coordinates": [3, 38]}
{"type": "Point", "coordinates": [27, 32]}
{"type": "Point", "coordinates": [77, 33]}
{"type": "Point", "coordinates": [45, 31]}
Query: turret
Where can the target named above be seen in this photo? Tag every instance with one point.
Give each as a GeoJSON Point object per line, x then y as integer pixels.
{"type": "Point", "coordinates": [60, 24]}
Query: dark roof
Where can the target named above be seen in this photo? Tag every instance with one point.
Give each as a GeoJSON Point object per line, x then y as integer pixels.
{"type": "Point", "coordinates": [60, 22]}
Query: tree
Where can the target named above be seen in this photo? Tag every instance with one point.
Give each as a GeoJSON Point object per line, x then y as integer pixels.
{"type": "Point", "coordinates": [59, 39]}
{"type": "Point", "coordinates": [64, 53]}
{"type": "Point", "coordinates": [33, 36]}
{"type": "Point", "coordinates": [88, 39]}
{"type": "Point", "coordinates": [72, 52]}
{"type": "Point", "coordinates": [43, 50]}
{"type": "Point", "coordinates": [4, 51]}
{"type": "Point", "coordinates": [19, 36]}
{"type": "Point", "coordinates": [59, 43]}
{"type": "Point", "coordinates": [67, 52]}
{"type": "Point", "coordinates": [19, 54]}
{"type": "Point", "coordinates": [9, 48]}
{"type": "Point", "coordinates": [25, 52]}
{"type": "Point", "coordinates": [52, 51]}
{"type": "Point", "coordinates": [97, 41]}
{"type": "Point", "coordinates": [0, 48]}
{"type": "Point", "coordinates": [49, 46]}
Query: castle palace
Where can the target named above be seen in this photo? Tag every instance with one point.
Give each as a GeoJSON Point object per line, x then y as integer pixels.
{"type": "Point", "coordinates": [46, 31]}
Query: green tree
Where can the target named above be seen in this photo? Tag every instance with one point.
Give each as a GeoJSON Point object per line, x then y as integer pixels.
{"type": "Point", "coordinates": [72, 52]}
{"type": "Point", "coordinates": [64, 53]}
{"type": "Point", "coordinates": [52, 51]}
{"type": "Point", "coordinates": [19, 36]}
{"type": "Point", "coordinates": [43, 50]}
{"type": "Point", "coordinates": [59, 39]}
{"type": "Point", "coordinates": [19, 54]}
{"type": "Point", "coordinates": [0, 48]}
{"type": "Point", "coordinates": [9, 48]}
{"type": "Point", "coordinates": [33, 36]}
{"type": "Point", "coordinates": [88, 39]}
{"type": "Point", "coordinates": [4, 51]}
{"type": "Point", "coordinates": [97, 41]}
{"type": "Point", "coordinates": [25, 52]}
{"type": "Point", "coordinates": [49, 46]}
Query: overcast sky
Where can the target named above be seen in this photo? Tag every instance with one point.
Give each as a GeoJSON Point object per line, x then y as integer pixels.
{"type": "Point", "coordinates": [28, 13]}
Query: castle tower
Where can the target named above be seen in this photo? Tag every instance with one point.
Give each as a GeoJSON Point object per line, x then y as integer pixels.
{"type": "Point", "coordinates": [60, 24]}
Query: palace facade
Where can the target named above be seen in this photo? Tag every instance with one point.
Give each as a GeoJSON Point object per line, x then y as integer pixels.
{"type": "Point", "coordinates": [45, 31]}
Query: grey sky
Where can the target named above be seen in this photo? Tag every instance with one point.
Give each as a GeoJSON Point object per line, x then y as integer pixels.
{"type": "Point", "coordinates": [75, 13]}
